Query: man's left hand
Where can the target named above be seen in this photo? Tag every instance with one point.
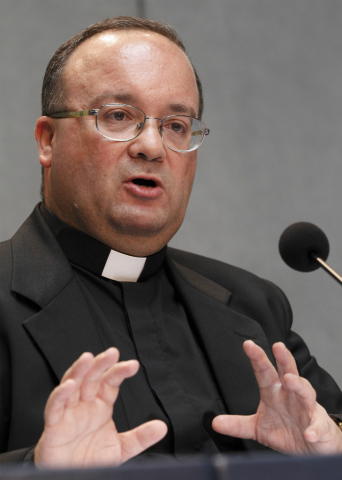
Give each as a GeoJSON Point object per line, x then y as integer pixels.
{"type": "Point", "coordinates": [288, 418]}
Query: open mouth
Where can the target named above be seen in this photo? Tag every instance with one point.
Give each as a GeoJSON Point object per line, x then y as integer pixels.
{"type": "Point", "coordinates": [144, 182]}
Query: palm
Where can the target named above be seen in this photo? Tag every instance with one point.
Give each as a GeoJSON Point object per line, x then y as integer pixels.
{"type": "Point", "coordinates": [84, 432]}
{"type": "Point", "coordinates": [79, 429]}
{"type": "Point", "coordinates": [273, 418]}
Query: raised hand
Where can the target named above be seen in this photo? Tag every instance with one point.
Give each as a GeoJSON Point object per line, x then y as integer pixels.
{"type": "Point", "coordinates": [288, 418]}
{"type": "Point", "coordinates": [79, 429]}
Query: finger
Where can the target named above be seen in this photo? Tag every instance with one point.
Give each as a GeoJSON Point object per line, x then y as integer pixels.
{"type": "Point", "coordinates": [322, 428]}
{"type": "Point", "coordinates": [139, 439]}
{"type": "Point", "coordinates": [117, 374]}
{"type": "Point", "coordinates": [91, 382]}
{"type": "Point", "coordinates": [265, 373]}
{"type": "Point", "coordinates": [57, 402]}
{"type": "Point", "coordinates": [77, 372]}
{"type": "Point", "coordinates": [113, 378]}
{"type": "Point", "coordinates": [80, 367]}
{"type": "Point", "coordinates": [235, 425]}
{"type": "Point", "coordinates": [285, 361]}
{"type": "Point", "coordinates": [323, 435]}
{"type": "Point", "coordinates": [305, 393]}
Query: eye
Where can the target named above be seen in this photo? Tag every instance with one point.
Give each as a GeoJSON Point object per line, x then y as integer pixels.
{"type": "Point", "coordinates": [177, 127]}
{"type": "Point", "coordinates": [117, 115]}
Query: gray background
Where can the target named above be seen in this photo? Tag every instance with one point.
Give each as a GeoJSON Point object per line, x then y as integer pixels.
{"type": "Point", "coordinates": [272, 72]}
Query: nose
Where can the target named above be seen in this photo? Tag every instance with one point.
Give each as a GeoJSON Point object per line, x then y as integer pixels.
{"type": "Point", "coordinates": [149, 144]}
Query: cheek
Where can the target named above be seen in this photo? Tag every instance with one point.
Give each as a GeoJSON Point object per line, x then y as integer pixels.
{"type": "Point", "coordinates": [88, 157]}
{"type": "Point", "coordinates": [188, 176]}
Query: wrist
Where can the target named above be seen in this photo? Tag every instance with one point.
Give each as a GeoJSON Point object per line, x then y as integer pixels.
{"type": "Point", "coordinates": [337, 419]}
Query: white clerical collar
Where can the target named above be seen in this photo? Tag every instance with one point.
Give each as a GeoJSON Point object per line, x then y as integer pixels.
{"type": "Point", "coordinates": [123, 268]}
{"type": "Point", "coordinates": [98, 258]}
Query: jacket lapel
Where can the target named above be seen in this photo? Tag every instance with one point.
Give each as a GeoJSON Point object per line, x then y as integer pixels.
{"type": "Point", "coordinates": [63, 329]}
{"type": "Point", "coordinates": [222, 332]}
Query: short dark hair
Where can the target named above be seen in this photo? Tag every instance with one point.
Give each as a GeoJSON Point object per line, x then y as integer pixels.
{"type": "Point", "coordinates": [53, 88]}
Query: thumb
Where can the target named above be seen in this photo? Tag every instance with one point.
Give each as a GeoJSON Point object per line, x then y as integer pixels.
{"type": "Point", "coordinates": [239, 426]}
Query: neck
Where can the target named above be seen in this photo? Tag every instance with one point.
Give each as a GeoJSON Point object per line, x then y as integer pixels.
{"type": "Point", "coordinates": [119, 239]}
{"type": "Point", "coordinates": [95, 256]}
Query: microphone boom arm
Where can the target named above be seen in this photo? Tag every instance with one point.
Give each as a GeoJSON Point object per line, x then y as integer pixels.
{"type": "Point", "coordinates": [326, 267]}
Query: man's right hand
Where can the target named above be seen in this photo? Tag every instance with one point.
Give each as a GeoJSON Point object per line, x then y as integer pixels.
{"type": "Point", "coordinates": [79, 429]}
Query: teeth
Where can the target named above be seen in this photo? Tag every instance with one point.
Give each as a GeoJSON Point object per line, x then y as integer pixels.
{"type": "Point", "coordinates": [144, 182]}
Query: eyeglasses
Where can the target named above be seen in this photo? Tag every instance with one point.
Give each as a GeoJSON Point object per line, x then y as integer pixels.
{"type": "Point", "coordinates": [122, 123]}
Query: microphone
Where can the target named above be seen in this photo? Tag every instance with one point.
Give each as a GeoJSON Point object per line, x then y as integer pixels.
{"type": "Point", "coordinates": [305, 247]}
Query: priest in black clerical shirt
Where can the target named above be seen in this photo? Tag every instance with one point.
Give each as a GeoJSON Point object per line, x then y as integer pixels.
{"type": "Point", "coordinates": [89, 275]}
{"type": "Point", "coordinates": [139, 311]}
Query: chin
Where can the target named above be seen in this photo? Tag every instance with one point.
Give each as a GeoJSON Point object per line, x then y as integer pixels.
{"type": "Point", "coordinates": [139, 221]}
{"type": "Point", "coordinates": [143, 229]}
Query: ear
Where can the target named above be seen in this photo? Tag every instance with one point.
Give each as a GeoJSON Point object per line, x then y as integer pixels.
{"type": "Point", "coordinates": [44, 133]}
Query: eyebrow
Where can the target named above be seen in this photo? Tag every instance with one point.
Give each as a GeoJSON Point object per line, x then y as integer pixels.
{"type": "Point", "coordinates": [129, 99]}
{"type": "Point", "coordinates": [126, 98]}
{"type": "Point", "coordinates": [181, 108]}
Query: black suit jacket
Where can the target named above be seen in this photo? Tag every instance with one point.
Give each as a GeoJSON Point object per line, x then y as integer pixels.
{"type": "Point", "coordinates": [45, 325]}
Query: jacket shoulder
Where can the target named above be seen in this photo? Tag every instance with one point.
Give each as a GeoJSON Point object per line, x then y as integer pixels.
{"type": "Point", "coordinates": [251, 295]}
{"type": "Point", "coordinates": [228, 276]}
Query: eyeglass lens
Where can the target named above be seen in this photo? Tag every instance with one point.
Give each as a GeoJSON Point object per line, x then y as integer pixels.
{"type": "Point", "coordinates": [123, 122]}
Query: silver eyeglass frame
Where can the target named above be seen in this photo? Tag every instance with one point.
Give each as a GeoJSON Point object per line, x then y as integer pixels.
{"type": "Point", "coordinates": [95, 111]}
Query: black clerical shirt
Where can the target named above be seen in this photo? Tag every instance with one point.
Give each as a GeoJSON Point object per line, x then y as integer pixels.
{"type": "Point", "coordinates": [146, 321]}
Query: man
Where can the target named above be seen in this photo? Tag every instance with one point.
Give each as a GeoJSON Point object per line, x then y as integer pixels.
{"type": "Point", "coordinates": [90, 271]}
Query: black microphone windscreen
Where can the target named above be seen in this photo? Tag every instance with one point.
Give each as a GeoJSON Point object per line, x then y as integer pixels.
{"type": "Point", "coordinates": [298, 241]}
